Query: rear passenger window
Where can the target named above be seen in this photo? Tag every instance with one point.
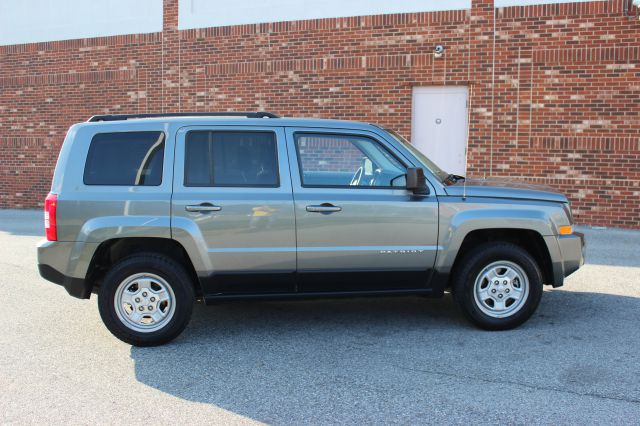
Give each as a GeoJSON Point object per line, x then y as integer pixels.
{"type": "Point", "coordinates": [125, 158]}
{"type": "Point", "coordinates": [231, 159]}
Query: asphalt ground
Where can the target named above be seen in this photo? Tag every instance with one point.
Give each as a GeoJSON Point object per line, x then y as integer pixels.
{"type": "Point", "coordinates": [402, 360]}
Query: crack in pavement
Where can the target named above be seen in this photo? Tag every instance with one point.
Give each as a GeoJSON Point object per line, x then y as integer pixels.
{"type": "Point", "coordinates": [510, 382]}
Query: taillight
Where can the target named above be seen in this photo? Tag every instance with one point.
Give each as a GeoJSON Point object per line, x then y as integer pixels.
{"type": "Point", "coordinates": [50, 225]}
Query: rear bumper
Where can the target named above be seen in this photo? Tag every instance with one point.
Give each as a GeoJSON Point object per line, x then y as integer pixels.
{"type": "Point", "coordinates": [64, 263]}
{"type": "Point", "coordinates": [76, 287]}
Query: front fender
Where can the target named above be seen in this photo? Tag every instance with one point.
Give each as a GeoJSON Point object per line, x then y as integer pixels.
{"type": "Point", "coordinates": [459, 218]}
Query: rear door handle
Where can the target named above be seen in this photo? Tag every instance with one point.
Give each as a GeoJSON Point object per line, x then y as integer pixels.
{"type": "Point", "coordinates": [204, 207]}
{"type": "Point", "coordinates": [324, 208]}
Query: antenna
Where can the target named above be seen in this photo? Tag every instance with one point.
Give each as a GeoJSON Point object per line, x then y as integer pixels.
{"type": "Point", "coordinates": [464, 189]}
{"type": "Point", "coordinates": [466, 148]}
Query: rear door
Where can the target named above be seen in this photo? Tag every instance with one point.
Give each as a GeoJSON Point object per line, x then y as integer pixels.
{"type": "Point", "coordinates": [358, 228]}
{"type": "Point", "coordinates": [232, 193]}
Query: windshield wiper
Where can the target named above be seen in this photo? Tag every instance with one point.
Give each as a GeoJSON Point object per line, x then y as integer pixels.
{"type": "Point", "coordinates": [454, 178]}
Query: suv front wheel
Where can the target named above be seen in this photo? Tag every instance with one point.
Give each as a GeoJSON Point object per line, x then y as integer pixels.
{"type": "Point", "coordinates": [146, 299]}
{"type": "Point", "coordinates": [498, 285]}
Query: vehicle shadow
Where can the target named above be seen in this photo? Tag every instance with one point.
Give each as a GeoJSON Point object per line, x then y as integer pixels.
{"type": "Point", "coordinates": [336, 361]}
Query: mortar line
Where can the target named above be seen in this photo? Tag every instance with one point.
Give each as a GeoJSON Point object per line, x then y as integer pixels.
{"type": "Point", "coordinates": [493, 93]}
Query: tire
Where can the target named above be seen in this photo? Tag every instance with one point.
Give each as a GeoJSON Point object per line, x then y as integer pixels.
{"type": "Point", "coordinates": [501, 306]}
{"type": "Point", "coordinates": [154, 288]}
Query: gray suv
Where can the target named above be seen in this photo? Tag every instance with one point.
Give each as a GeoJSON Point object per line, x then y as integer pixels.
{"type": "Point", "coordinates": [152, 212]}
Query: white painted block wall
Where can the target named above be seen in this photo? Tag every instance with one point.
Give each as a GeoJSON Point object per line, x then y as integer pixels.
{"type": "Point", "coordinates": [507, 3]}
{"type": "Point", "coordinates": [214, 13]}
{"type": "Point", "coordinates": [29, 21]}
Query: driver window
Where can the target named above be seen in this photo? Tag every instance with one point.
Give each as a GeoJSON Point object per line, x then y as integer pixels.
{"type": "Point", "coordinates": [336, 160]}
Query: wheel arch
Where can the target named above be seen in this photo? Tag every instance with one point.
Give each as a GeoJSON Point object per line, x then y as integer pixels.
{"type": "Point", "coordinates": [112, 250]}
{"type": "Point", "coordinates": [528, 239]}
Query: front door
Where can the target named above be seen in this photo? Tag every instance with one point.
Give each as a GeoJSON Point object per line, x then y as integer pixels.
{"type": "Point", "coordinates": [232, 191]}
{"type": "Point", "coordinates": [358, 228]}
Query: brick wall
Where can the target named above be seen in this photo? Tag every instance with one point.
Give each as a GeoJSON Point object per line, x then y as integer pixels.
{"type": "Point", "coordinates": [329, 154]}
{"type": "Point", "coordinates": [555, 89]}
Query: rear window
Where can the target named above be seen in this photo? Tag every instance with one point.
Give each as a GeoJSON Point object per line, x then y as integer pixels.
{"type": "Point", "coordinates": [228, 158]}
{"type": "Point", "coordinates": [125, 158]}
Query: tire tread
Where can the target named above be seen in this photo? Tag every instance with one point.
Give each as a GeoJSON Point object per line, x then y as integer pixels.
{"type": "Point", "coordinates": [182, 287]}
{"type": "Point", "coordinates": [464, 278]}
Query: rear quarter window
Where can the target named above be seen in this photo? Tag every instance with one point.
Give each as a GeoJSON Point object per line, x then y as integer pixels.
{"type": "Point", "coordinates": [125, 158]}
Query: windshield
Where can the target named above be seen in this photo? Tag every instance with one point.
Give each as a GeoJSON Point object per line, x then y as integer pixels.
{"type": "Point", "coordinates": [430, 165]}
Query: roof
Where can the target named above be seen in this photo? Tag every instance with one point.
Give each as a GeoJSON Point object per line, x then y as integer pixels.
{"type": "Point", "coordinates": [200, 120]}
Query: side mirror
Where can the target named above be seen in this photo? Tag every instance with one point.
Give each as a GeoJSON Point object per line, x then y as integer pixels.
{"type": "Point", "coordinates": [416, 181]}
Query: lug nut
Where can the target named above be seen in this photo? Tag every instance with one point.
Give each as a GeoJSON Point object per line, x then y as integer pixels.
{"type": "Point", "coordinates": [506, 291]}
{"type": "Point", "coordinates": [153, 299]}
{"type": "Point", "coordinates": [504, 282]}
{"type": "Point", "coordinates": [500, 296]}
{"type": "Point", "coordinates": [137, 300]}
{"type": "Point", "coordinates": [141, 308]}
{"type": "Point", "coordinates": [493, 290]}
{"type": "Point", "coordinates": [144, 294]}
{"type": "Point", "coordinates": [496, 282]}
{"type": "Point", "coordinates": [150, 308]}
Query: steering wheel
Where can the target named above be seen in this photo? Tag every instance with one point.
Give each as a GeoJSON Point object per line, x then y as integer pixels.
{"type": "Point", "coordinates": [355, 180]}
{"type": "Point", "coordinates": [375, 179]}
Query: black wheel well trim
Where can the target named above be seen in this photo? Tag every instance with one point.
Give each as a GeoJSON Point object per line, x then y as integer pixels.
{"type": "Point", "coordinates": [112, 250]}
{"type": "Point", "coordinates": [528, 239]}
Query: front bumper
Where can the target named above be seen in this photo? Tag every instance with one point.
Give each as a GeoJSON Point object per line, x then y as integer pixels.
{"type": "Point", "coordinates": [572, 250]}
{"type": "Point", "coordinates": [567, 253]}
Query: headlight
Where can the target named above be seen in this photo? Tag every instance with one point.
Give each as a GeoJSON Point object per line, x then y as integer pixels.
{"type": "Point", "coordinates": [567, 210]}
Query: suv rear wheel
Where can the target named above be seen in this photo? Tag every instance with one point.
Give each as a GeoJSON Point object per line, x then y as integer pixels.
{"type": "Point", "coordinates": [498, 286]}
{"type": "Point", "coordinates": [146, 299]}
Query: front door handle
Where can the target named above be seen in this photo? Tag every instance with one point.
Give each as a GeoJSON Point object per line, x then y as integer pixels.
{"type": "Point", "coordinates": [204, 207]}
{"type": "Point", "coordinates": [324, 208]}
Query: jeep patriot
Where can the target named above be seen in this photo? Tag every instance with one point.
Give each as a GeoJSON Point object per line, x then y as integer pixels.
{"type": "Point", "coordinates": [152, 212]}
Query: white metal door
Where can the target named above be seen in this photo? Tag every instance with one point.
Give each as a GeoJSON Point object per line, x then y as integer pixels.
{"type": "Point", "coordinates": [439, 125]}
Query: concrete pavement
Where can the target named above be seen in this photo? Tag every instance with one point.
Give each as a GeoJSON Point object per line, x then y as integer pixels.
{"type": "Point", "coordinates": [365, 361]}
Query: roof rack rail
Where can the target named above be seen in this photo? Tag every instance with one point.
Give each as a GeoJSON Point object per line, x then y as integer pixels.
{"type": "Point", "coordinates": [120, 117]}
